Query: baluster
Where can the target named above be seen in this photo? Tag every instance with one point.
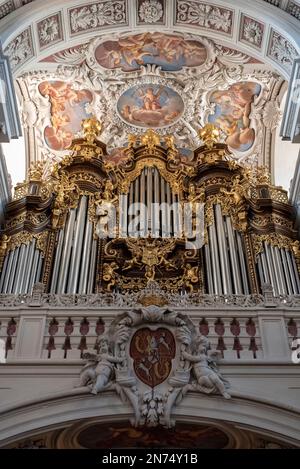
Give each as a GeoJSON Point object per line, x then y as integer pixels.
{"type": "Point", "coordinates": [11, 330]}
{"type": "Point", "coordinates": [292, 330]}
{"type": "Point", "coordinates": [84, 330]}
{"type": "Point", "coordinates": [68, 330]}
{"type": "Point", "coordinates": [236, 331]}
{"type": "Point", "coordinates": [204, 327]}
{"type": "Point", "coordinates": [220, 331]}
{"type": "Point", "coordinates": [100, 328]}
{"type": "Point", "coordinates": [53, 329]}
{"type": "Point", "coordinates": [251, 331]}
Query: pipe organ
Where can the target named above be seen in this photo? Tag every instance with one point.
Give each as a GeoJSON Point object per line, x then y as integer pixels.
{"type": "Point", "coordinates": [152, 200]}
{"type": "Point", "coordinates": [91, 226]}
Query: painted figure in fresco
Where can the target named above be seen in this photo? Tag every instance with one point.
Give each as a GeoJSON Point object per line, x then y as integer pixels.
{"type": "Point", "coordinates": [151, 99]}
{"type": "Point", "coordinates": [168, 51]}
{"type": "Point", "coordinates": [233, 114]}
{"type": "Point", "coordinates": [208, 378]}
{"type": "Point", "coordinates": [150, 106]}
{"type": "Point", "coordinates": [67, 112]}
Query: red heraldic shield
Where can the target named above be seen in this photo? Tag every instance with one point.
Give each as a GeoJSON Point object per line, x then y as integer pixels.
{"type": "Point", "coordinates": [153, 352]}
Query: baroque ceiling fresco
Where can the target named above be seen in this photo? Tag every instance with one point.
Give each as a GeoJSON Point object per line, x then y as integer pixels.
{"type": "Point", "coordinates": [174, 83]}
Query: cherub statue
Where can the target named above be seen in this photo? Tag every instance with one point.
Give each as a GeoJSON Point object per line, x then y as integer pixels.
{"type": "Point", "coordinates": [203, 362]}
{"type": "Point", "coordinates": [238, 193]}
{"type": "Point", "coordinates": [99, 369]}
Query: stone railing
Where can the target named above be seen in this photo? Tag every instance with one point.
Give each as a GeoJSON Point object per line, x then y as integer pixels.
{"type": "Point", "coordinates": [59, 327]}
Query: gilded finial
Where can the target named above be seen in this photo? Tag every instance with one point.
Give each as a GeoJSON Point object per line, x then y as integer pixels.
{"type": "Point", "coordinates": [132, 139]}
{"type": "Point", "coordinates": [36, 171]}
{"type": "Point", "coordinates": [150, 139]}
{"type": "Point", "coordinates": [263, 175]}
{"type": "Point", "coordinates": [91, 128]}
{"type": "Point", "coordinates": [210, 135]}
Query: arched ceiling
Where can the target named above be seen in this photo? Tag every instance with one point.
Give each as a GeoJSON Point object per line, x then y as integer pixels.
{"type": "Point", "coordinates": [271, 37]}
{"type": "Point", "coordinates": [199, 56]}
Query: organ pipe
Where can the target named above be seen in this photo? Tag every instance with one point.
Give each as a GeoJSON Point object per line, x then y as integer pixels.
{"type": "Point", "coordinates": [246, 289]}
{"type": "Point", "coordinates": [209, 271]}
{"type": "Point", "coordinates": [66, 252]}
{"type": "Point", "coordinates": [215, 260]}
{"type": "Point", "coordinates": [57, 261]}
{"type": "Point", "coordinates": [92, 268]}
{"type": "Point", "coordinates": [75, 262]}
{"type": "Point", "coordinates": [234, 259]}
{"type": "Point", "coordinates": [224, 261]}
{"type": "Point", "coordinates": [16, 286]}
{"type": "Point", "coordinates": [27, 271]}
{"type": "Point", "coordinates": [290, 290]}
{"type": "Point", "coordinates": [33, 271]}
{"type": "Point", "coordinates": [86, 257]}
{"type": "Point", "coordinates": [13, 270]}
{"type": "Point", "coordinates": [5, 270]}
{"type": "Point", "coordinates": [77, 246]}
{"type": "Point", "coordinates": [296, 274]}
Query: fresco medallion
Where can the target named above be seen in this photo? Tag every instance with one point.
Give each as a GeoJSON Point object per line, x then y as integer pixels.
{"type": "Point", "coordinates": [150, 106]}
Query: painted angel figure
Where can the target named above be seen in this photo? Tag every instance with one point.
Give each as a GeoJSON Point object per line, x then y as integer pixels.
{"type": "Point", "coordinates": [151, 99]}
{"type": "Point", "coordinates": [99, 370]}
{"type": "Point", "coordinates": [203, 362]}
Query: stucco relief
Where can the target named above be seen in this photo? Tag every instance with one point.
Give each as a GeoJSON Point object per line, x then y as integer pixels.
{"type": "Point", "coordinates": [20, 49]}
{"type": "Point", "coordinates": [205, 15]}
{"type": "Point", "coordinates": [152, 357]}
{"type": "Point", "coordinates": [97, 14]}
{"type": "Point", "coordinates": [281, 50]}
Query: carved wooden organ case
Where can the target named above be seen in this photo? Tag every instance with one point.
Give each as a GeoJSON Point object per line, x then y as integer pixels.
{"type": "Point", "coordinates": [59, 232]}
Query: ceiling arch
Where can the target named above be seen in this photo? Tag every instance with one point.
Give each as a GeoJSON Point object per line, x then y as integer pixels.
{"type": "Point", "coordinates": [31, 33]}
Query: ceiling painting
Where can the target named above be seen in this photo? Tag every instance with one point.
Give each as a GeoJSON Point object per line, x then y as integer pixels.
{"type": "Point", "coordinates": [150, 106]}
{"type": "Point", "coordinates": [232, 114]}
{"type": "Point", "coordinates": [171, 53]}
{"type": "Point", "coordinates": [172, 83]}
{"type": "Point", "coordinates": [122, 435]}
{"type": "Point", "coordinates": [67, 110]}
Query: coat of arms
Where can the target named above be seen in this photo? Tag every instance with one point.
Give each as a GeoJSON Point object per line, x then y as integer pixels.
{"type": "Point", "coordinates": [152, 352]}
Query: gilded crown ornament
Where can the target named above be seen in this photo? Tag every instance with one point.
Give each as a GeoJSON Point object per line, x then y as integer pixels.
{"type": "Point", "coordinates": [91, 128]}
{"type": "Point", "coordinates": [150, 139]}
{"type": "Point", "coordinates": [210, 135]}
